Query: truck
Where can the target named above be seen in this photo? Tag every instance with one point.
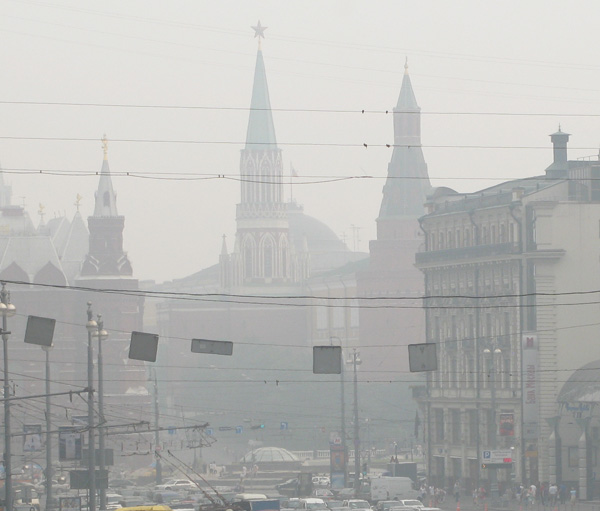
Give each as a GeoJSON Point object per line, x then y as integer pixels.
{"type": "Point", "coordinates": [390, 488]}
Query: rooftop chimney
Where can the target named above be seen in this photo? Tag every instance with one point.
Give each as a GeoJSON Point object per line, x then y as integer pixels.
{"type": "Point", "coordinates": [560, 166]}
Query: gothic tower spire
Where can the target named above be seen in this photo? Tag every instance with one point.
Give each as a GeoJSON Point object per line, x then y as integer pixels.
{"type": "Point", "coordinates": [262, 237]}
{"type": "Point", "coordinates": [106, 256]}
{"type": "Point", "coordinates": [106, 198]}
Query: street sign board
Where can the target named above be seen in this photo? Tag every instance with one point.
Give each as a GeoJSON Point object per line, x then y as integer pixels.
{"type": "Point", "coordinates": [39, 330]}
{"type": "Point", "coordinates": [496, 456]}
{"type": "Point", "coordinates": [422, 357]}
{"type": "Point", "coordinates": [327, 359]}
{"type": "Point", "coordinates": [143, 346]}
{"type": "Point", "coordinates": [212, 347]}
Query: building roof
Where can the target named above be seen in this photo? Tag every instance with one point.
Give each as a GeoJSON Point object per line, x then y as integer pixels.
{"type": "Point", "coordinates": [447, 200]}
{"type": "Point", "coordinates": [261, 130]}
{"type": "Point", "coordinates": [31, 259]}
{"type": "Point", "coordinates": [407, 99]}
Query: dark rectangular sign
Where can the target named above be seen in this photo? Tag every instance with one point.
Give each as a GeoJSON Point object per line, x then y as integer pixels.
{"type": "Point", "coordinates": [212, 347]}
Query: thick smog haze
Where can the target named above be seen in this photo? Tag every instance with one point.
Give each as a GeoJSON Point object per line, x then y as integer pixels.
{"type": "Point", "coordinates": [170, 83]}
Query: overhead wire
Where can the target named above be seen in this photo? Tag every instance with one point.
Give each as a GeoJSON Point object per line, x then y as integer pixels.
{"type": "Point", "coordinates": [276, 144]}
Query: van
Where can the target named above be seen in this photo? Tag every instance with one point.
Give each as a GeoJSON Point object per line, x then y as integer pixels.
{"type": "Point", "coordinates": [390, 488]}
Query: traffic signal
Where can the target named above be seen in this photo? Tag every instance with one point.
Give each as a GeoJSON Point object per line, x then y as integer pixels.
{"type": "Point", "coordinates": [364, 469]}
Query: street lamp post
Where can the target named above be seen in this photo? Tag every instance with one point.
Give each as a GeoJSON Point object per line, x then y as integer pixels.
{"type": "Point", "coordinates": [343, 412]}
{"type": "Point", "coordinates": [102, 336]}
{"type": "Point", "coordinates": [48, 433]}
{"type": "Point", "coordinates": [91, 327]}
{"type": "Point", "coordinates": [356, 361]}
{"type": "Point", "coordinates": [7, 309]}
{"type": "Point", "coordinates": [491, 353]}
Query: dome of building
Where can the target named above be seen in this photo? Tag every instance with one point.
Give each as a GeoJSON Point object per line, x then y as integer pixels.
{"type": "Point", "coordinates": [326, 250]}
{"type": "Point", "coordinates": [319, 237]}
{"type": "Point", "coordinates": [583, 385]}
{"type": "Point", "coordinates": [269, 455]}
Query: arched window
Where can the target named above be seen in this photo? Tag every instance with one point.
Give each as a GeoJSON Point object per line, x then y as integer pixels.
{"type": "Point", "coordinates": [284, 260]}
{"type": "Point", "coordinates": [268, 259]}
{"type": "Point", "coordinates": [248, 261]}
{"type": "Point", "coordinates": [106, 199]}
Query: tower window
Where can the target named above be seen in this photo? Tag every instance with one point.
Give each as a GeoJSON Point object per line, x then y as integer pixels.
{"type": "Point", "coordinates": [106, 199]}
{"type": "Point", "coordinates": [268, 259]}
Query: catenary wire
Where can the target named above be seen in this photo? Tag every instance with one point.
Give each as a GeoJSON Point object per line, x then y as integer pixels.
{"type": "Point", "coordinates": [276, 144]}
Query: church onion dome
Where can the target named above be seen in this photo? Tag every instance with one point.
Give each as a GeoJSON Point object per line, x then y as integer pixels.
{"type": "Point", "coordinates": [269, 455]}
{"type": "Point", "coordinates": [583, 386]}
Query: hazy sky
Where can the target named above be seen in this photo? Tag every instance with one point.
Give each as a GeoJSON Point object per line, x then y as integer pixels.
{"type": "Point", "coordinates": [469, 61]}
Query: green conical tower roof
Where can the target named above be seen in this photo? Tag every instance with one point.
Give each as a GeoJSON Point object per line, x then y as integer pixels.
{"type": "Point", "coordinates": [261, 130]}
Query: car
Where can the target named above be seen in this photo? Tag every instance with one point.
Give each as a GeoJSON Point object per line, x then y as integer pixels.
{"type": "Point", "coordinates": [414, 503]}
{"type": "Point", "coordinates": [176, 484]}
{"type": "Point", "coordinates": [293, 503]}
{"type": "Point", "coordinates": [113, 501]}
{"type": "Point", "coordinates": [313, 504]}
{"type": "Point", "coordinates": [322, 493]}
{"type": "Point", "coordinates": [356, 504]}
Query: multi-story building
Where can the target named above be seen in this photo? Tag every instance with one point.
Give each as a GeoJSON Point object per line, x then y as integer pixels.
{"type": "Point", "coordinates": [507, 271]}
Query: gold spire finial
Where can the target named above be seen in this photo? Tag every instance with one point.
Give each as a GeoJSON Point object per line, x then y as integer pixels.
{"type": "Point", "coordinates": [405, 65]}
{"type": "Point", "coordinates": [41, 213]}
{"type": "Point", "coordinates": [105, 146]}
{"type": "Point", "coordinates": [78, 201]}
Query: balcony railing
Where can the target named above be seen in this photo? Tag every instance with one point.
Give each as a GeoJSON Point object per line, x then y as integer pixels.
{"type": "Point", "coordinates": [466, 253]}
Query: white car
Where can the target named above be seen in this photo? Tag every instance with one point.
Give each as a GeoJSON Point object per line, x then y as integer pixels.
{"type": "Point", "coordinates": [177, 484]}
{"type": "Point", "coordinates": [356, 504]}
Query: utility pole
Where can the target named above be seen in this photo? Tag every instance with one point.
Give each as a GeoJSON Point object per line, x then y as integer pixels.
{"type": "Point", "coordinates": [344, 445]}
{"type": "Point", "coordinates": [7, 309]}
{"type": "Point", "coordinates": [49, 471]}
{"type": "Point", "coordinates": [102, 336]}
{"type": "Point", "coordinates": [156, 434]}
{"type": "Point", "coordinates": [91, 326]}
{"type": "Point", "coordinates": [491, 353]}
{"type": "Point", "coordinates": [356, 360]}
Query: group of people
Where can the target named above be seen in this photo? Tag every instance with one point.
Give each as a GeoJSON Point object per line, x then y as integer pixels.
{"type": "Point", "coordinates": [548, 494]}
{"type": "Point", "coordinates": [431, 494]}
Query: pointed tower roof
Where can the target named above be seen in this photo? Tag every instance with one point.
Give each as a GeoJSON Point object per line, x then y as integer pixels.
{"type": "Point", "coordinates": [261, 130]}
{"type": "Point", "coordinates": [407, 99]}
{"type": "Point", "coordinates": [106, 198]}
{"type": "Point", "coordinates": [224, 251]}
{"type": "Point", "coordinates": [407, 186]}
